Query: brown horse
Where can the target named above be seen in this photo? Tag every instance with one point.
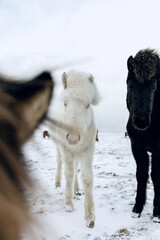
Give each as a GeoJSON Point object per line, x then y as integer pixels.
{"type": "Point", "coordinates": [23, 105]}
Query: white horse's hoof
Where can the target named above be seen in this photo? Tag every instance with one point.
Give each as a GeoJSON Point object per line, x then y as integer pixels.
{"type": "Point", "coordinates": [90, 224]}
{"type": "Point", "coordinates": [156, 219]}
{"type": "Point", "coordinates": [68, 208]}
{"type": "Point", "coordinates": [135, 215]}
{"type": "Point", "coordinates": [57, 185]}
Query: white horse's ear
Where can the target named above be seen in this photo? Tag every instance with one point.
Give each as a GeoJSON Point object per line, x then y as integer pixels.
{"type": "Point", "coordinates": [91, 78]}
{"type": "Point", "coordinates": [64, 80]}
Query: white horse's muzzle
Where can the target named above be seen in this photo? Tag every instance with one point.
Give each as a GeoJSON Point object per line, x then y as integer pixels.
{"type": "Point", "coordinates": [72, 139]}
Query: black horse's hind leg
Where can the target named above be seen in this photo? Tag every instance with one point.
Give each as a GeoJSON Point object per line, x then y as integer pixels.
{"type": "Point", "coordinates": [142, 161]}
{"type": "Point", "coordinates": [155, 174]}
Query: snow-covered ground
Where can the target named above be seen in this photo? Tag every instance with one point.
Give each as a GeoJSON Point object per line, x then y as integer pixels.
{"type": "Point", "coordinates": [114, 194]}
{"type": "Point", "coordinates": [96, 37]}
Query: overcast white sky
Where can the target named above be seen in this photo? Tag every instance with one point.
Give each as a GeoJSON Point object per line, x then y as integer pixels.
{"type": "Point", "coordinates": [96, 36]}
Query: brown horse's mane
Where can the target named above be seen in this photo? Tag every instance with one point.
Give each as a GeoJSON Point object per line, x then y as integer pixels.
{"type": "Point", "coordinates": [19, 102]}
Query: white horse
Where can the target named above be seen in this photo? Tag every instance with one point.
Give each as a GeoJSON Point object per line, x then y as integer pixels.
{"type": "Point", "coordinates": [78, 140]}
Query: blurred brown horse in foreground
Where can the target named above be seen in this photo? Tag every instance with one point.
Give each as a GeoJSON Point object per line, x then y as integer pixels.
{"type": "Point", "coordinates": [23, 105]}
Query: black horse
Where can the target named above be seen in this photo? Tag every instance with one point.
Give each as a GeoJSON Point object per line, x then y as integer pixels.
{"type": "Point", "coordinates": [143, 103]}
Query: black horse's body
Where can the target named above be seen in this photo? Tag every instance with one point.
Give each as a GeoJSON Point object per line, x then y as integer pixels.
{"type": "Point", "coordinates": [143, 102]}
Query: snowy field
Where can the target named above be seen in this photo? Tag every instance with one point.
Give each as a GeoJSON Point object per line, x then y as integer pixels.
{"type": "Point", "coordinates": [114, 194]}
{"type": "Point", "coordinates": [96, 37]}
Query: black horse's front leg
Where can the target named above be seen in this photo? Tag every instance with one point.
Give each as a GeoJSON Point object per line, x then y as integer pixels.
{"type": "Point", "coordinates": [142, 161]}
{"type": "Point", "coordinates": [155, 174]}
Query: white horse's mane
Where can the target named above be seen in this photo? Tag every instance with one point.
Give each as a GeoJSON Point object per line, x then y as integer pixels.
{"type": "Point", "coordinates": [81, 87]}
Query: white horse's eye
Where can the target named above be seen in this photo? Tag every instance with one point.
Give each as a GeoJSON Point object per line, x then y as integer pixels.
{"type": "Point", "coordinates": [65, 104]}
{"type": "Point", "coordinates": [88, 105]}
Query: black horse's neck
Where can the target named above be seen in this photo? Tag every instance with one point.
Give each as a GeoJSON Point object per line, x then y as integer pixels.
{"type": "Point", "coordinates": [155, 117]}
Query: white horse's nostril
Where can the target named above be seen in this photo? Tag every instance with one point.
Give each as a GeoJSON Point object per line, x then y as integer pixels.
{"type": "Point", "coordinates": [73, 139]}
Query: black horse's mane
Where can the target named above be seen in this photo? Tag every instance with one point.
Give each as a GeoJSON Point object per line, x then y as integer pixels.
{"type": "Point", "coordinates": [144, 65]}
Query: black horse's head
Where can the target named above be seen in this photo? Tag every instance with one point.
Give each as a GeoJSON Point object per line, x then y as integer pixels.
{"type": "Point", "coordinates": [142, 83]}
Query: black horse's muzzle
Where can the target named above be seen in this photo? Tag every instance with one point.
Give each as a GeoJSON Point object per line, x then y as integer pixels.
{"type": "Point", "coordinates": [141, 124]}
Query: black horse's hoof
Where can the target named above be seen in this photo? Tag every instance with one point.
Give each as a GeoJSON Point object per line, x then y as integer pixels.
{"type": "Point", "coordinates": [135, 213]}
{"type": "Point", "coordinates": [156, 219]}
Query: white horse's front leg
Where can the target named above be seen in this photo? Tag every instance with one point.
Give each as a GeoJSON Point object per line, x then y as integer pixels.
{"type": "Point", "coordinates": [59, 170]}
{"type": "Point", "coordinates": [76, 184]}
{"type": "Point", "coordinates": [70, 176]}
{"type": "Point", "coordinates": [87, 178]}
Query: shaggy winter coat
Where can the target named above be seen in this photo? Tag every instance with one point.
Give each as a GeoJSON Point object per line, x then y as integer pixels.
{"type": "Point", "coordinates": [143, 102]}
{"type": "Point", "coordinates": [76, 143]}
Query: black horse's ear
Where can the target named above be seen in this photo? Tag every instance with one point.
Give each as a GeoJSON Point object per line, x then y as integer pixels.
{"type": "Point", "coordinates": [130, 63]}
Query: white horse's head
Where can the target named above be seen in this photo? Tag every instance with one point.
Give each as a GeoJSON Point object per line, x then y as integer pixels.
{"type": "Point", "coordinates": [79, 93]}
